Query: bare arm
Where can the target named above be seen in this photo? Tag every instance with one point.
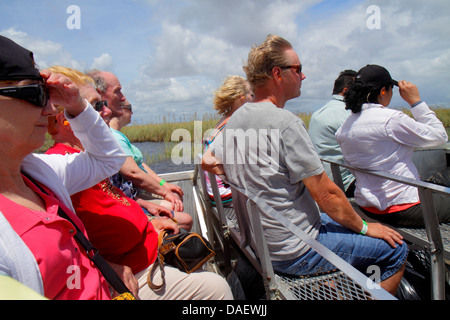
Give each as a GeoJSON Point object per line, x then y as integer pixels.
{"type": "Point", "coordinates": [165, 224]}
{"type": "Point", "coordinates": [409, 92]}
{"type": "Point", "coordinates": [131, 171]}
{"type": "Point", "coordinates": [172, 187]}
{"type": "Point", "coordinates": [211, 164]}
{"type": "Point", "coordinates": [126, 274]}
{"type": "Point", "coordinates": [64, 92]}
{"type": "Point", "coordinates": [332, 200]}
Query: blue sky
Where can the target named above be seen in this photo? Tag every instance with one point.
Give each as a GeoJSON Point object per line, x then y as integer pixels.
{"type": "Point", "coordinates": [171, 55]}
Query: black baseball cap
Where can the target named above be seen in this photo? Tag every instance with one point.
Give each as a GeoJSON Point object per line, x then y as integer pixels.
{"type": "Point", "coordinates": [375, 75]}
{"type": "Point", "coordinates": [16, 62]}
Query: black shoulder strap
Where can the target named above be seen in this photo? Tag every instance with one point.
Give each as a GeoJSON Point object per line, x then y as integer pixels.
{"type": "Point", "coordinates": [91, 252]}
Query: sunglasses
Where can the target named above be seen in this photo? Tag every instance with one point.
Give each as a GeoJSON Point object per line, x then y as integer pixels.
{"type": "Point", "coordinates": [36, 94]}
{"type": "Point", "coordinates": [98, 106]}
{"type": "Point", "coordinates": [297, 68]}
{"type": "Point", "coordinates": [128, 106]}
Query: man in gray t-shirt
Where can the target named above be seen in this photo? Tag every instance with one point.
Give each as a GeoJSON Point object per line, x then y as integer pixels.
{"type": "Point", "coordinates": [285, 156]}
{"type": "Point", "coordinates": [266, 152]}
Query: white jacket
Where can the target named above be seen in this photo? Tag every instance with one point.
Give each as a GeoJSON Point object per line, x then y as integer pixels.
{"type": "Point", "coordinates": [383, 139]}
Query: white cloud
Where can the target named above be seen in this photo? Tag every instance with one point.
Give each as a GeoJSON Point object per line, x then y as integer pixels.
{"type": "Point", "coordinates": [185, 50]}
{"type": "Point", "coordinates": [242, 23]}
{"type": "Point", "coordinates": [176, 96]}
{"type": "Point", "coordinates": [181, 52]}
{"type": "Point", "coordinates": [201, 45]}
{"type": "Point", "coordinates": [209, 40]}
{"type": "Point", "coordinates": [412, 44]}
{"type": "Point", "coordinates": [103, 62]}
{"type": "Point", "coordinates": [46, 53]}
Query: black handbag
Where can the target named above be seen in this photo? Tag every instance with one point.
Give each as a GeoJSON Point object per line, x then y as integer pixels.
{"type": "Point", "coordinates": [187, 251]}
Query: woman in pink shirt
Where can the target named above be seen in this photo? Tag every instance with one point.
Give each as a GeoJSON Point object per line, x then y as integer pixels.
{"type": "Point", "coordinates": [26, 101]}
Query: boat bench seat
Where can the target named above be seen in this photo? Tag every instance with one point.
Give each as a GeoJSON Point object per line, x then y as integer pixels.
{"type": "Point", "coordinates": [434, 238]}
{"type": "Point", "coordinates": [416, 236]}
{"type": "Point", "coordinates": [235, 227]}
{"type": "Point", "coordinates": [343, 283]}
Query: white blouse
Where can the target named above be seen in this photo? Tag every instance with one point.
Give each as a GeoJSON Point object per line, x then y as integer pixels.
{"type": "Point", "coordinates": [383, 139]}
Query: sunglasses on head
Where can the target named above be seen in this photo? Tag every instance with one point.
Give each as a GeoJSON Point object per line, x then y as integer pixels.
{"type": "Point", "coordinates": [98, 106]}
{"type": "Point", "coordinates": [36, 94]}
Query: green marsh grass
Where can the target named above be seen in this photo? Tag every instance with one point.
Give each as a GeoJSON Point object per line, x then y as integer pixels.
{"type": "Point", "coordinates": [162, 132]}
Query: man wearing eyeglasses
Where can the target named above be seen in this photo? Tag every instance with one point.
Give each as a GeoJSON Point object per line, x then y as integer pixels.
{"type": "Point", "coordinates": [136, 174]}
{"type": "Point", "coordinates": [265, 153]}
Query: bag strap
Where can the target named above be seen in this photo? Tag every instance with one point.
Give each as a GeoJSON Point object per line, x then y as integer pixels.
{"type": "Point", "coordinates": [91, 252]}
{"type": "Point", "coordinates": [216, 133]}
{"type": "Point", "coordinates": [94, 255]}
{"type": "Point", "coordinates": [157, 264]}
{"type": "Point", "coordinates": [218, 129]}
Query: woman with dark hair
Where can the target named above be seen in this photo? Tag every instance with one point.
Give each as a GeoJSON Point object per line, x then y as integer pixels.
{"type": "Point", "coordinates": [377, 138]}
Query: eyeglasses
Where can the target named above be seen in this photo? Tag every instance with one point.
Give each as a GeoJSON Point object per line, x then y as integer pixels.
{"type": "Point", "coordinates": [297, 68]}
{"type": "Point", "coordinates": [98, 106]}
{"type": "Point", "coordinates": [36, 94]}
{"type": "Point", "coordinates": [128, 106]}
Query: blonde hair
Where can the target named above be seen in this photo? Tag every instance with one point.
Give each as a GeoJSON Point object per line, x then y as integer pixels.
{"type": "Point", "coordinates": [263, 58]}
{"type": "Point", "coordinates": [233, 88]}
{"type": "Point", "coordinates": [79, 78]}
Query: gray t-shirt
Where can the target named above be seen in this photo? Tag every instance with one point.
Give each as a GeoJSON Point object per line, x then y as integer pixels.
{"type": "Point", "coordinates": [268, 153]}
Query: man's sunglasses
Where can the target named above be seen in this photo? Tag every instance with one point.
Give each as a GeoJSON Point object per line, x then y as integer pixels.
{"type": "Point", "coordinates": [36, 94]}
{"type": "Point", "coordinates": [297, 68]}
{"type": "Point", "coordinates": [98, 106]}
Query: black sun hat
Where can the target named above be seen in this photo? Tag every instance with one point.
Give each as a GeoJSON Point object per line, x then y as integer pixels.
{"type": "Point", "coordinates": [375, 75]}
{"type": "Point", "coordinates": [16, 62]}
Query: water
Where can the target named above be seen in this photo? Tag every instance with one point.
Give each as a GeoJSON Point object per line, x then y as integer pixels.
{"type": "Point", "coordinates": [166, 166]}
{"type": "Point", "coordinates": [431, 164]}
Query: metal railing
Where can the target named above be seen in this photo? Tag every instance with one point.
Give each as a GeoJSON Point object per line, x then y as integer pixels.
{"type": "Point", "coordinates": [223, 225]}
{"type": "Point", "coordinates": [434, 232]}
{"type": "Point", "coordinates": [345, 283]}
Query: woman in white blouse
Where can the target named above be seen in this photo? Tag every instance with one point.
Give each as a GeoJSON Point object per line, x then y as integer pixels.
{"type": "Point", "coordinates": [375, 137]}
